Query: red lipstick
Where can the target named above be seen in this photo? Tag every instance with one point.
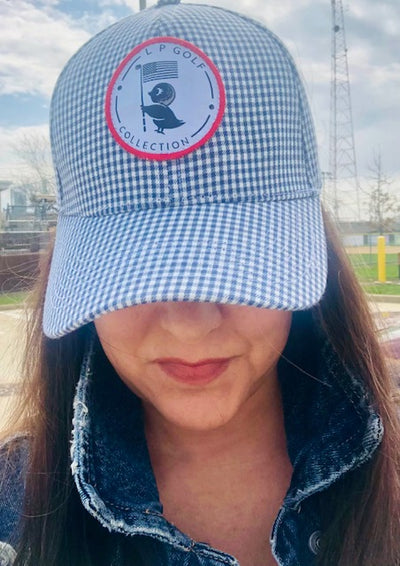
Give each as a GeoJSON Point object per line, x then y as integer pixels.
{"type": "Point", "coordinates": [199, 373]}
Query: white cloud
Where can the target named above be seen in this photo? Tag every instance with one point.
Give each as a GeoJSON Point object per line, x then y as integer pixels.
{"type": "Point", "coordinates": [48, 2]}
{"type": "Point", "coordinates": [35, 43]}
{"type": "Point", "coordinates": [382, 15]}
{"type": "Point", "coordinates": [93, 23]}
{"type": "Point", "coordinates": [127, 3]}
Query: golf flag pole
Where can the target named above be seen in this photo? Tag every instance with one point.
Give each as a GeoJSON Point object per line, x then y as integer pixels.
{"type": "Point", "coordinates": [140, 68]}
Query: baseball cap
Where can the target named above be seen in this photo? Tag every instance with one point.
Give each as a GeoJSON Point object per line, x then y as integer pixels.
{"type": "Point", "coordinates": [187, 170]}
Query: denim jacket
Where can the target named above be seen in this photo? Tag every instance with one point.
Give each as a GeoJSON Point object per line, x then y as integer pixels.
{"type": "Point", "coordinates": [331, 429]}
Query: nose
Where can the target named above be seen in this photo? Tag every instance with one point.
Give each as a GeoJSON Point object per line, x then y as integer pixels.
{"type": "Point", "coordinates": [190, 322]}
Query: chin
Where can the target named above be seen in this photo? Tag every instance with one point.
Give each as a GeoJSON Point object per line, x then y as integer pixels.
{"type": "Point", "coordinates": [199, 415]}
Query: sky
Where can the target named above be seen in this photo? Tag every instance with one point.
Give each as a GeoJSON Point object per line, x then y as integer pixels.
{"type": "Point", "coordinates": [39, 36]}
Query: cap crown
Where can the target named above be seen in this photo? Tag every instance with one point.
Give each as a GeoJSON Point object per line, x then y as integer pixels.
{"type": "Point", "coordinates": [264, 148]}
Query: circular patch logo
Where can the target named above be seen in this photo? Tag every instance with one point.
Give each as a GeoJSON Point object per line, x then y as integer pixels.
{"type": "Point", "coordinates": [165, 100]}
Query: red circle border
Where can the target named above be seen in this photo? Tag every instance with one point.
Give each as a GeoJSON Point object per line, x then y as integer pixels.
{"type": "Point", "coordinates": [121, 66]}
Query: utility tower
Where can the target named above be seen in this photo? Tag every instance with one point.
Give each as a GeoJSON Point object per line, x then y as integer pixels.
{"type": "Point", "coordinates": [342, 155]}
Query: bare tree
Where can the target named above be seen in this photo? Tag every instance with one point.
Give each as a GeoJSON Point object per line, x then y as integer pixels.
{"type": "Point", "coordinates": [383, 204]}
{"type": "Point", "coordinates": [33, 150]}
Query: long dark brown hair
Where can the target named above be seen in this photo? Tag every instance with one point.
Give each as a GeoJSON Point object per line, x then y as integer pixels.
{"type": "Point", "coordinates": [361, 514]}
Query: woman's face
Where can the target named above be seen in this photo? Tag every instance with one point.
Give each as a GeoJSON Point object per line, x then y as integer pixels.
{"type": "Point", "coordinates": [195, 364]}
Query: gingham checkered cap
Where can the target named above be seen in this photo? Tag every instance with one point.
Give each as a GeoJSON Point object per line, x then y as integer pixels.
{"type": "Point", "coordinates": [234, 218]}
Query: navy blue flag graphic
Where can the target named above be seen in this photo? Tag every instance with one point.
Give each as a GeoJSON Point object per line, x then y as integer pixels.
{"type": "Point", "coordinates": [160, 70]}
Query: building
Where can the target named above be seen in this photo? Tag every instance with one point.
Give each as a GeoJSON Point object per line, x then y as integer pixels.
{"type": "Point", "coordinates": [365, 234]}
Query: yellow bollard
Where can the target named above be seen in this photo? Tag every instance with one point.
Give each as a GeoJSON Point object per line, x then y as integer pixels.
{"type": "Point", "coordinates": [381, 260]}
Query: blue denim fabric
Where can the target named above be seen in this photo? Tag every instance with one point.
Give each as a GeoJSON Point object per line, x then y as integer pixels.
{"type": "Point", "coordinates": [12, 483]}
{"type": "Point", "coordinates": [331, 429]}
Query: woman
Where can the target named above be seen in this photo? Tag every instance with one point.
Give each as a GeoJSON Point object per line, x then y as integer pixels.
{"type": "Point", "coordinates": [207, 388]}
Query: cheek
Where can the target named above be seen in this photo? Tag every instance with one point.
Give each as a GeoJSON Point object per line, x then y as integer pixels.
{"type": "Point", "coordinates": [267, 335]}
{"type": "Point", "coordinates": [259, 324]}
{"type": "Point", "coordinates": [120, 338]}
{"type": "Point", "coordinates": [123, 352]}
{"type": "Point", "coordinates": [125, 329]}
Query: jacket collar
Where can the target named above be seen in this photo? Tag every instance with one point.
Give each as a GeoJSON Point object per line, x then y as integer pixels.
{"type": "Point", "coordinates": [331, 429]}
{"type": "Point", "coordinates": [339, 431]}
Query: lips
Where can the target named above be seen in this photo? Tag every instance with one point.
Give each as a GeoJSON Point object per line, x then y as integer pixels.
{"type": "Point", "coordinates": [199, 373]}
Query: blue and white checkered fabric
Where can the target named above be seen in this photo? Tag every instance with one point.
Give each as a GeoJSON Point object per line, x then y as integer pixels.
{"type": "Point", "coordinates": [236, 221]}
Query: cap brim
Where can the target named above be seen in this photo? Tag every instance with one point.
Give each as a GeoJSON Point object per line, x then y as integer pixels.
{"type": "Point", "coordinates": [269, 255]}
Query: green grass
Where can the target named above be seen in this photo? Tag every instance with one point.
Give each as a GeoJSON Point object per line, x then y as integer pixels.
{"type": "Point", "coordinates": [13, 298]}
{"type": "Point", "coordinates": [366, 269]}
{"type": "Point", "coordinates": [381, 288]}
{"type": "Point", "coordinates": [366, 266]}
